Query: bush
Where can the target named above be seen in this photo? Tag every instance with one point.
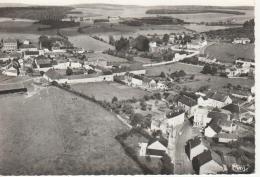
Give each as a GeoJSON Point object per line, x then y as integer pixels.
{"type": "Point", "coordinates": [143, 105]}
{"type": "Point", "coordinates": [114, 99]}
{"type": "Point", "coordinates": [128, 109]}
{"type": "Point", "coordinates": [69, 71]}
{"type": "Point", "coordinates": [157, 96]}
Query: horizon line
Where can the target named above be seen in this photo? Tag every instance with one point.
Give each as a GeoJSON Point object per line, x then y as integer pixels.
{"type": "Point", "coordinates": [86, 3]}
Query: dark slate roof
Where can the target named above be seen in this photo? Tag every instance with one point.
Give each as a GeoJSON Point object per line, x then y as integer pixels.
{"type": "Point", "coordinates": [187, 101]}
{"type": "Point", "coordinates": [204, 157]}
{"type": "Point", "coordinates": [214, 125]}
{"type": "Point", "coordinates": [26, 46]}
{"type": "Point", "coordinates": [233, 108]}
{"type": "Point", "coordinates": [194, 142]}
{"type": "Point", "coordinates": [155, 152]}
{"type": "Point", "coordinates": [9, 40]}
{"type": "Point", "coordinates": [217, 96]}
{"type": "Point", "coordinates": [174, 113]}
{"type": "Point", "coordinates": [31, 52]}
{"type": "Point", "coordinates": [43, 61]}
{"type": "Point", "coordinates": [217, 115]}
{"type": "Point", "coordinates": [192, 95]}
{"type": "Point", "coordinates": [138, 77]}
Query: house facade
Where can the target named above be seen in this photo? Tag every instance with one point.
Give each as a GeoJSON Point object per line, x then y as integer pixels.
{"type": "Point", "coordinates": [194, 147]}
{"type": "Point", "coordinates": [207, 163]}
{"type": "Point", "coordinates": [188, 104]}
{"type": "Point", "coordinates": [201, 118]}
{"type": "Point", "coordinates": [9, 44]}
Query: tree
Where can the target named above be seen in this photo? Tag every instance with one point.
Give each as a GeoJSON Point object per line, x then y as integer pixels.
{"type": "Point", "coordinates": [166, 38]}
{"type": "Point", "coordinates": [167, 166]}
{"type": "Point", "coordinates": [128, 109]}
{"type": "Point", "coordinates": [91, 71]}
{"type": "Point", "coordinates": [45, 42]}
{"type": "Point", "coordinates": [122, 44]}
{"type": "Point", "coordinates": [69, 71]}
{"type": "Point", "coordinates": [163, 75]}
{"type": "Point", "coordinates": [192, 77]}
{"type": "Point", "coordinates": [136, 119]}
{"type": "Point", "coordinates": [29, 70]}
{"type": "Point", "coordinates": [143, 104]}
{"type": "Point", "coordinates": [206, 69]}
{"type": "Point", "coordinates": [111, 40]}
{"type": "Point", "coordinates": [114, 99]}
{"type": "Point", "coordinates": [141, 43]}
{"type": "Point", "coordinates": [157, 96]}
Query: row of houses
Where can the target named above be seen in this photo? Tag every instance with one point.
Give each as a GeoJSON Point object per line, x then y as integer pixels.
{"type": "Point", "coordinates": [242, 66]}
{"type": "Point", "coordinates": [142, 81]}
{"type": "Point", "coordinates": [204, 160]}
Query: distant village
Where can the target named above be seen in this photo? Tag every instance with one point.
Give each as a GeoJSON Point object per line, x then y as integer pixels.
{"type": "Point", "coordinates": [217, 118]}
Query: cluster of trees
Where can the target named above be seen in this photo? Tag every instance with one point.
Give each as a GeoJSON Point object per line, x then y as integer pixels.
{"type": "Point", "coordinates": [141, 43]}
{"type": "Point", "coordinates": [122, 44]}
{"type": "Point", "coordinates": [47, 42]}
{"type": "Point", "coordinates": [191, 11]}
{"type": "Point", "coordinates": [230, 34]}
{"type": "Point", "coordinates": [177, 74]}
{"type": "Point", "coordinates": [54, 13]}
{"type": "Point", "coordinates": [138, 120]}
{"type": "Point", "coordinates": [57, 24]}
{"type": "Point", "coordinates": [158, 20]}
{"type": "Point", "coordinates": [209, 69]}
{"type": "Point", "coordinates": [121, 54]}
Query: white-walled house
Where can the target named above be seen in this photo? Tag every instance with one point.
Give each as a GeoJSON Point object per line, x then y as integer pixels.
{"type": "Point", "coordinates": [188, 104]}
{"type": "Point", "coordinates": [215, 99]}
{"type": "Point", "coordinates": [208, 162]}
{"type": "Point", "coordinates": [212, 130]}
{"type": "Point", "coordinates": [175, 118]}
{"type": "Point", "coordinates": [194, 147]}
{"type": "Point", "coordinates": [241, 41]}
{"type": "Point", "coordinates": [220, 122]}
{"type": "Point", "coordinates": [152, 46]}
{"type": "Point", "coordinates": [226, 137]}
{"type": "Point", "coordinates": [162, 86]}
{"type": "Point", "coordinates": [201, 118]}
{"type": "Point", "coordinates": [157, 148]}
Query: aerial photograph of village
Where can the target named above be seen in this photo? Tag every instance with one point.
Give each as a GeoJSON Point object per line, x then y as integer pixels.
{"type": "Point", "coordinates": [150, 87]}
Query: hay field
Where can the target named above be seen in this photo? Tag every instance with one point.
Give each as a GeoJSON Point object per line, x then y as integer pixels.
{"type": "Point", "coordinates": [53, 132]}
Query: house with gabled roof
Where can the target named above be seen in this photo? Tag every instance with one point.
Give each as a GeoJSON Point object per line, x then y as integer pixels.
{"type": "Point", "coordinates": [201, 118]}
{"type": "Point", "coordinates": [208, 162]}
{"type": "Point", "coordinates": [220, 122]}
{"type": "Point", "coordinates": [194, 147]}
{"type": "Point", "coordinates": [215, 99]}
{"type": "Point", "coordinates": [226, 137]}
{"type": "Point", "coordinates": [157, 147]}
{"type": "Point", "coordinates": [188, 103]}
{"type": "Point", "coordinates": [175, 117]}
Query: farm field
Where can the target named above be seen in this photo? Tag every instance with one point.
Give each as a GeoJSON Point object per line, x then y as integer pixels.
{"type": "Point", "coordinates": [204, 28]}
{"type": "Point", "coordinates": [228, 53]}
{"type": "Point", "coordinates": [101, 11]}
{"type": "Point", "coordinates": [107, 90]}
{"type": "Point", "coordinates": [89, 43]}
{"type": "Point", "coordinates": [32, 37]}
{"type": "Point", "coordinates": [216, 82]}
{"type": "Point", "coordinates": [109, 58]}
{"type": "Point", "coordinates": [188, 69]}
{"type": "Point", "coordinates": [60, 135]}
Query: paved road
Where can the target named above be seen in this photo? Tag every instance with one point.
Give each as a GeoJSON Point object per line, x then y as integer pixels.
{"type": "Point", "coordinates": [182, 165]}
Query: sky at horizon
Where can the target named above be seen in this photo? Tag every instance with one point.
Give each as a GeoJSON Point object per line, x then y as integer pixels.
{"type": "Point", "coordinates": [138, 2]}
